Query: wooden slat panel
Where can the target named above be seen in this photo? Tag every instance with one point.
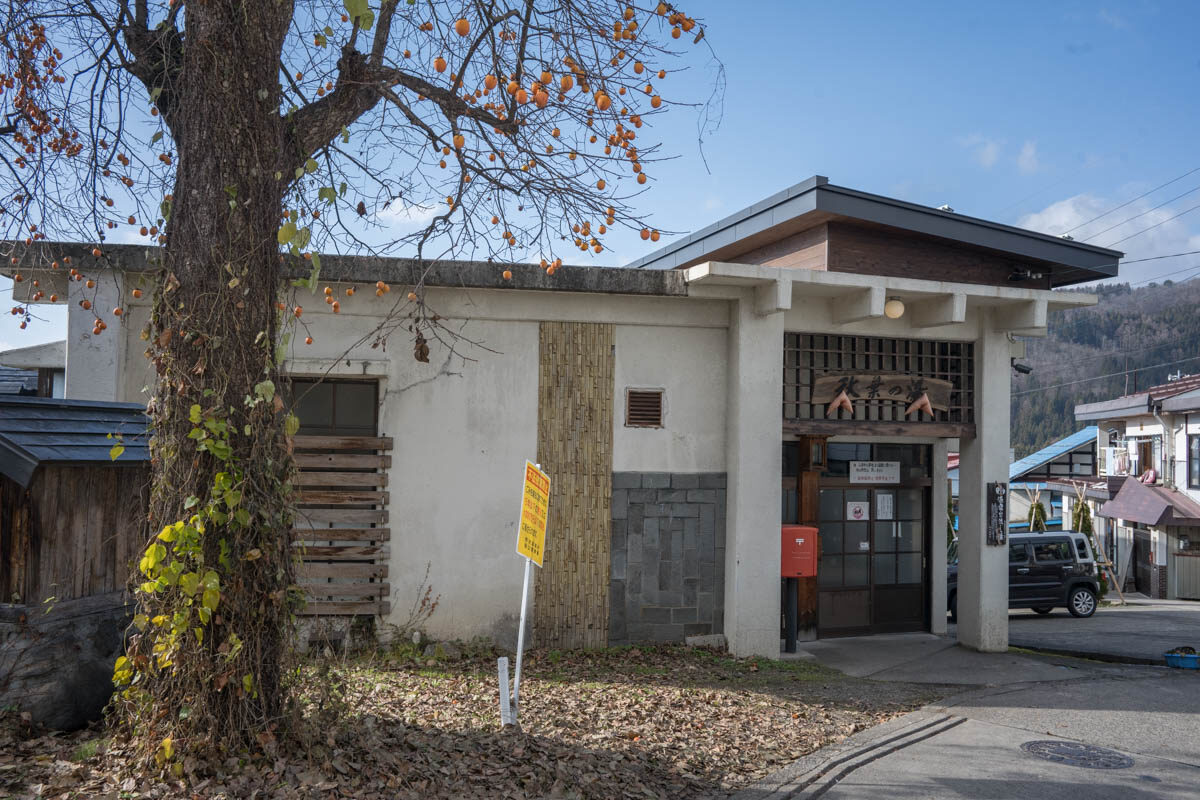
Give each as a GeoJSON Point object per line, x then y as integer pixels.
{"type": "Point", "coordinates": [575, 446]}
{"type": "Point", "coordinates": [320, 608]}
{"type": "Point", "coordinates": [342, 442]}
{"type": "Point", "coordinates": [341, 534]}
{"type": "Point", "coordinates": [314, 478]}
{"type": "Point", "coordinates": [341, 461]}
{"type": "Point", "coordinates": [312, 517]}
{"type": "Point", "coordinates": [340, 552]}
{"type": "Point", "coordinates": [335, 497]}
{"type": "Point", "coordinates": [357, 589]}
{"type": "Point", "coordinates": [311, 570]}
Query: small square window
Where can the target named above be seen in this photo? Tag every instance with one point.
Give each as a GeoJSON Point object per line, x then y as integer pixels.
{"type": "Point", "coordinates": [643, 408]}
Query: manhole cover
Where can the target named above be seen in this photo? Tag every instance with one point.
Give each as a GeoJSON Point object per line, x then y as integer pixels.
{"type": "Point", "coordinates": [1078, 755]}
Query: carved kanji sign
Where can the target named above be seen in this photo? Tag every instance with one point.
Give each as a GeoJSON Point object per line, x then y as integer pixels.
{"type": "Point", "coordinates": [918, 393]}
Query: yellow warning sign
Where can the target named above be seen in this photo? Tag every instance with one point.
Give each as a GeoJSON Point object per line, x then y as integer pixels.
{"type": "Point", "coordinates": [535, 507]}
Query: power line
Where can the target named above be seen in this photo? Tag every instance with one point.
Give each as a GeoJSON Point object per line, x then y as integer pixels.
{"type": "Point", "coordinates": [1050, 366]}
{"type": "Point", "coordinates": [1158, 258]}
{"type": "Point", "coordinates": [1101, 377]}
{"type": "Point", "coordinates": [1152, 227]}
{"type": "Point", "coordinates": [1144, 213]}
{"type": "Point", "coordinates": [1153, 278]}
{"type": "Point", "coordinates": [1134, 200]}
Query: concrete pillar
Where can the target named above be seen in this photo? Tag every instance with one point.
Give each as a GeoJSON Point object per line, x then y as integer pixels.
{"type": "Point", "coordinates": [754, 465]}
{"type": "Point", "coordinates": [94, 362]}
{"type": "Point", "coordinates": [937, 550]}
{"type": "Point", "coordinates": [983, 569]}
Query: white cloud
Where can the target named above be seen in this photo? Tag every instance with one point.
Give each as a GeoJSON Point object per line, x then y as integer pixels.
{"type": "Point", "coordinates": [400, 214]}
{"type": "Point", "coordinates": [1167, 237]}
{"type": "Point", "coordinates": [1027, 159]}
{"type": "Point", "coordinates": [986, 151]}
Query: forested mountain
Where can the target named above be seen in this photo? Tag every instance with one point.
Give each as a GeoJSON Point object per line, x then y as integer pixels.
{"type": "Point", "coordinates": [1130, 340]}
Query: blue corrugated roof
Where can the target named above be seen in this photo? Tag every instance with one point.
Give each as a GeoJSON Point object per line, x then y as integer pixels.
{"type": "Point", "coordinates": [1053, 451]}
{"type": "Point", "coordinates": [40, 430]}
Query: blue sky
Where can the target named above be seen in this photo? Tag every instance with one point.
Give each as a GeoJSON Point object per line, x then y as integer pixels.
{"type": "Point", "coordinates": [1037, 114]}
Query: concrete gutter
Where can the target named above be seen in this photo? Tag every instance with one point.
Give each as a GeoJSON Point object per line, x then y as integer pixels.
{"type": "Point", "coordinates": [35, 261]}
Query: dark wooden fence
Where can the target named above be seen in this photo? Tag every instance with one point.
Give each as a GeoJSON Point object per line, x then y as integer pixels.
{"type": "Point", "coordinates": [341, 523]}
{"type": "Point", "coordinates": [72, 534]}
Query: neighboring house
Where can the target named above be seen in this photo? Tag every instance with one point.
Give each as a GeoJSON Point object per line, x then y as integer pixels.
{"type": "Point", "coordinates": [1039, 475]}
{"type": "Point", "coordinates": [71, 524]}
{"type": "Point", "coordinates": [40, 370]}
{"type": "Point", "coordinates": [818, 352]}
{"type": "Point", "coordinates": [1147, 491]}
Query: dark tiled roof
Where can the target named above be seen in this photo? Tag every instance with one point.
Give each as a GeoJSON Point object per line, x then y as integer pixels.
{"type": "Point", "coordinates": [40, 430]}
{"type": "Point", "coordinates": [1152, 505]}
{"type": "Point", "coordinates": [14, 381]}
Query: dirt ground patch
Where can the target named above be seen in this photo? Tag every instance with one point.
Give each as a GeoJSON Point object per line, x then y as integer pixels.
{"type": "Point", "coordinates": [636, 722]}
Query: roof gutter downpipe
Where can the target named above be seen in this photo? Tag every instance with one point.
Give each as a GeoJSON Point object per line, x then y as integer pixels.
{"type": "Point", "coordinates": [1168, 447]}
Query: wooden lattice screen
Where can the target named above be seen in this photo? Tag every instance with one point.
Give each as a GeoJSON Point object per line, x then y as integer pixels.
{"type": "Point", "coordinates": [808, 356]}
{"type": "Point", "coordinates": [575, 446]}
{"type": "Point", "coordinates": [341, 523]}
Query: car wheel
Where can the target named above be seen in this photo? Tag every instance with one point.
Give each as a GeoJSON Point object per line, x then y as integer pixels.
{"type": "Point", "coordinates": [1082, 602]}
{"type": "Point", "coordinates": [954, 607]}
{"type": "Point", "coordinates": [1043, 609]}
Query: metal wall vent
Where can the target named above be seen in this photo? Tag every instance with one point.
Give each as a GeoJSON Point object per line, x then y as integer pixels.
{"type": "Point", "coordinates": [643, 408]}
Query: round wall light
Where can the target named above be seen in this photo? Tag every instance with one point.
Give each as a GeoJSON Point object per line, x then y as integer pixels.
{"type": "Point", "coordinates": [893, 308]}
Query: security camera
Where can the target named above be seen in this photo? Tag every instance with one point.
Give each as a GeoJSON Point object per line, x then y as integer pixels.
{"type": "Point", "coordinates": [1024, 369]}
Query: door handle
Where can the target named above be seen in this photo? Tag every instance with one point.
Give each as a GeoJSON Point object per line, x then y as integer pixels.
{"type": "Point", "coordinates": [1023, 570]}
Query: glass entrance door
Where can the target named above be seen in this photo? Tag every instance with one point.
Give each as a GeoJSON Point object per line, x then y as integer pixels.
{"type": "Point", "coordinates": [872, 573]}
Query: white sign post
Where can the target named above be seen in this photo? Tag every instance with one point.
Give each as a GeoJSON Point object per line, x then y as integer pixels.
{"type": "Point", "coordinates": [531, 544]}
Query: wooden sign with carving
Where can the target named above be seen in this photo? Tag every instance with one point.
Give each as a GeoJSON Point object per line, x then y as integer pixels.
{"type": "Point", "coordinates": [919, 394]}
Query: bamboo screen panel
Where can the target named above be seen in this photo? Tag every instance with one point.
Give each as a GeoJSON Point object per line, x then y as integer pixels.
{"type": "Point", "coordinates": [575, 444]}
{"type": "Point", "coordinates": [807, 356]}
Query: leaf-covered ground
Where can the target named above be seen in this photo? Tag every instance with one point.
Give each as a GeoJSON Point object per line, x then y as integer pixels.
{"type": "Point", "coordinates": [642, 722]}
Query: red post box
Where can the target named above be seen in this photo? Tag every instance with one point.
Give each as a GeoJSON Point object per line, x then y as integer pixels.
{"type": "Point", "coordinates": [798, 555]}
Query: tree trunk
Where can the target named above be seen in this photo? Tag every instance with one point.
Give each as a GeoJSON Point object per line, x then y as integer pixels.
{"type": "Point", "coordinates": [213, 336]}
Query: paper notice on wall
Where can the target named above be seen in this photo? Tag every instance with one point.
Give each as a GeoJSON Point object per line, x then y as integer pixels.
{"type": "Point", "coordinates": [884, 505]}
{"type": "Point", "coordinates": [857, 511]}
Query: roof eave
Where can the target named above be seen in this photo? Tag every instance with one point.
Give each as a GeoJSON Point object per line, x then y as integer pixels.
{"type": "Point", "coordinates": [1081, 262]}
{"type": "Point", "coordinates": [16, 464]}
{"type": "Point", "coordinates": [1136, 405]}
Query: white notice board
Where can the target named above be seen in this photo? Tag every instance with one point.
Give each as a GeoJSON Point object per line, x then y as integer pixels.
{"type": "Point", "coordinates": [874, 471]}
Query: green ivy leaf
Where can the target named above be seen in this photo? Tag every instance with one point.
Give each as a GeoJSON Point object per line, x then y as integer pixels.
{"type": "Point", "coordinates": [211, 599]}
{"type": "Point", "coordinates": [265, 390]}
{"type": "Point", "coordinates": [194, 414]}
{"type": "Point", "coordinates": [189, 583]}
{"type": "Point", "coordinates": [115, 451]}
{"type": "Point", "coordinates": [291, 424]}
{"type": "Point", "coordinates": [311, 165]}
{"type": "Point", "coordinates": [157, 135]}
{"type": "Point", "coordinates": [287, 232]}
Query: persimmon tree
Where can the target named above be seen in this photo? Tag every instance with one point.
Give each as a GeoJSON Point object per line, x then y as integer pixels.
{"type": "Point", "coordinates": [243, 138]}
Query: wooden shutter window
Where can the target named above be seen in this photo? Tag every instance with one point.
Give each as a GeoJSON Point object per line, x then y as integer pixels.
{"type": "Point", "coordinates": [643, 408]}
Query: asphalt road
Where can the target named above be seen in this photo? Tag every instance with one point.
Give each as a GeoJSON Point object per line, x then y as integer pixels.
{"type": "Point", "coordinates": [1135, 633]}
{"type": "Point", "coordinates": [1140, 722]}
{"type": "Point", "coordinates": [1149, 716]}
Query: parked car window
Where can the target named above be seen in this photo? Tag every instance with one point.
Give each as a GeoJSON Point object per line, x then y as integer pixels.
{"type": "Point", "coordinates": [1081, 549]}
{"type": "Point", "coordinates": [1052, 551]}
{"type": "Point", "coordinates": [1016, 553]}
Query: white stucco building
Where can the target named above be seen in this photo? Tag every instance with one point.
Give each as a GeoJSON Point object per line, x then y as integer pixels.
{"type": "Point", "coordinates": [1147, 501]}
{"type": "Point", "coordinates": [683, 407]}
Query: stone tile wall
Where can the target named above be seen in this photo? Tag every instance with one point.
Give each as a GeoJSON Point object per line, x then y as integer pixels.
{"type": "Point", "coordinates": [667, 577]}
